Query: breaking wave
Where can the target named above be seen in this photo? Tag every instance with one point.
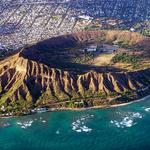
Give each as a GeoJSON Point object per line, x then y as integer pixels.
{"type": "Point", "coordinates": [80, 124]}
{"type": "Point", "coordinates": [127, 120]}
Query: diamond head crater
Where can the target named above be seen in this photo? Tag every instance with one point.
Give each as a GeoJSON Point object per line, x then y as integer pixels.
{"type": "Point", "coordinates": [74, 74]}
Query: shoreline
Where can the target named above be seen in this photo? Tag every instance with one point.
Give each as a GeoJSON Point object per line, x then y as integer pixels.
{"type": "Point", "coordinates": [80, 109]}
{"type": "Point", "coordinates": [99, 107]}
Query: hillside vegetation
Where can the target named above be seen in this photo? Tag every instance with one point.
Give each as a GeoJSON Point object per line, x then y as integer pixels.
{"type": "Point", "coordinates": [35, 77]}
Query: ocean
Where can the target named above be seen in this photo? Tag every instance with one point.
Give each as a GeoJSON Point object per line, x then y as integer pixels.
{"type": "Point", "coordinates": [119, 128]}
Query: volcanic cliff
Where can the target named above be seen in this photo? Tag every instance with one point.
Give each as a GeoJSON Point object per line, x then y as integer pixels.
{"type": "Point", "coordinates": [26, 77]}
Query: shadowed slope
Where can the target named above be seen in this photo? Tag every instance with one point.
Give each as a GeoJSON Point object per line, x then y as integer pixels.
{"type": "Point", "coordinates": [26, 77]}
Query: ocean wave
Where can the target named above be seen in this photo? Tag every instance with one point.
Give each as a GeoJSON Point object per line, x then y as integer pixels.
{"type": "Point", "coordinates": [147, 109]}
{"type": "Point", "coordinates": [128, 120]}
{"type": "Point", "coordinates": [44, 121]}
{"type": "Point", "coordinates": [25, 124]}
{"type": "Point", "coordinates": [79, 124]}
{"type": "Point", "coordinates": [57, 132]}
{"type": "Point", "coordinates": [4, 124]}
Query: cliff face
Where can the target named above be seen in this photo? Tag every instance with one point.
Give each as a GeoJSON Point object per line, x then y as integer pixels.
{"type": "Point", "coordinates": [25, 79]}
{"type": "Point", "coordinates": [28, 80]}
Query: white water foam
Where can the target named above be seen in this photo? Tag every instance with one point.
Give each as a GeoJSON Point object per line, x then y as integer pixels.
{"type": "Point", "coordinates": [128, 120]}
{"type": "Point", "coordinates": [147, 109]}
{"type": "Point", "coordinates": [44, 121]}
{"type": "Point", "coordinates": [6, 124]}
{"type": "Point", "coordinates": [79, 124]}
{"type": "Point", "coordinates": [25, 124]}
{"type": "Point", "coordinates": [57, 132]}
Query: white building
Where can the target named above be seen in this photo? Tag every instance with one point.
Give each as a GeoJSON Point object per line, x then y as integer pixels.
{"type": "Point", "coordinates": [91, 48]}
{"type": "Point", "coordinates": [85, 17]}
{"type": "Point", "coordinates": [132, 30]}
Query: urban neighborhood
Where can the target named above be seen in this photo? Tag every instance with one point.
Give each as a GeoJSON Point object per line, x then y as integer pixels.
{"type": "Point", "coordinates": [25, 22]}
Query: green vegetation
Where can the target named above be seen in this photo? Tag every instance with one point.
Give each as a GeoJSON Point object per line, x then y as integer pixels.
{"type": "Point", "coordinates": [74, 104]}
{"type": "Point", "coordinates": [143, 28]}
{"type": "Point", "coordinates": [122, 43]}
{"type": "Point", "coordinates": [75, 82]}
{"type": "Point", "coordinates": [126, 58]}
{"type": "Point", "coordinates": [113, 94]}
{"type": "Point", "coordinates": [18, 107]}
{"type": "Point", "coordinates": [10, 92]}
{"type": "Point", "coordinates": [83, 59]}
{"type": "Point", "coordinates": [127, 94]}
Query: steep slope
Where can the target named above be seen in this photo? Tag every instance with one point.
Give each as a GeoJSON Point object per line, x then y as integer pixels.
{"type": "Point", "coordinates": [26, 79]}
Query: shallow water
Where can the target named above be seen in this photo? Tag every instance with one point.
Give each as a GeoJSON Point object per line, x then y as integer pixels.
{"type": "Point", "coordinates": [125, 128]}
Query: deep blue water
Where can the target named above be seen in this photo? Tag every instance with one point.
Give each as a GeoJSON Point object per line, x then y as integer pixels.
{"type": "Point", "coordinates": [120, 128]}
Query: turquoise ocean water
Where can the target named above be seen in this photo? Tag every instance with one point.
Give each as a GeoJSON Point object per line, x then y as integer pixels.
{"type": "Point", "coordinates": [120, 128]}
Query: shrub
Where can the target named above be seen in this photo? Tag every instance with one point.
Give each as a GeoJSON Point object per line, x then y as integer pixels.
{"type": "Point", "coordinates": [125, 58]}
